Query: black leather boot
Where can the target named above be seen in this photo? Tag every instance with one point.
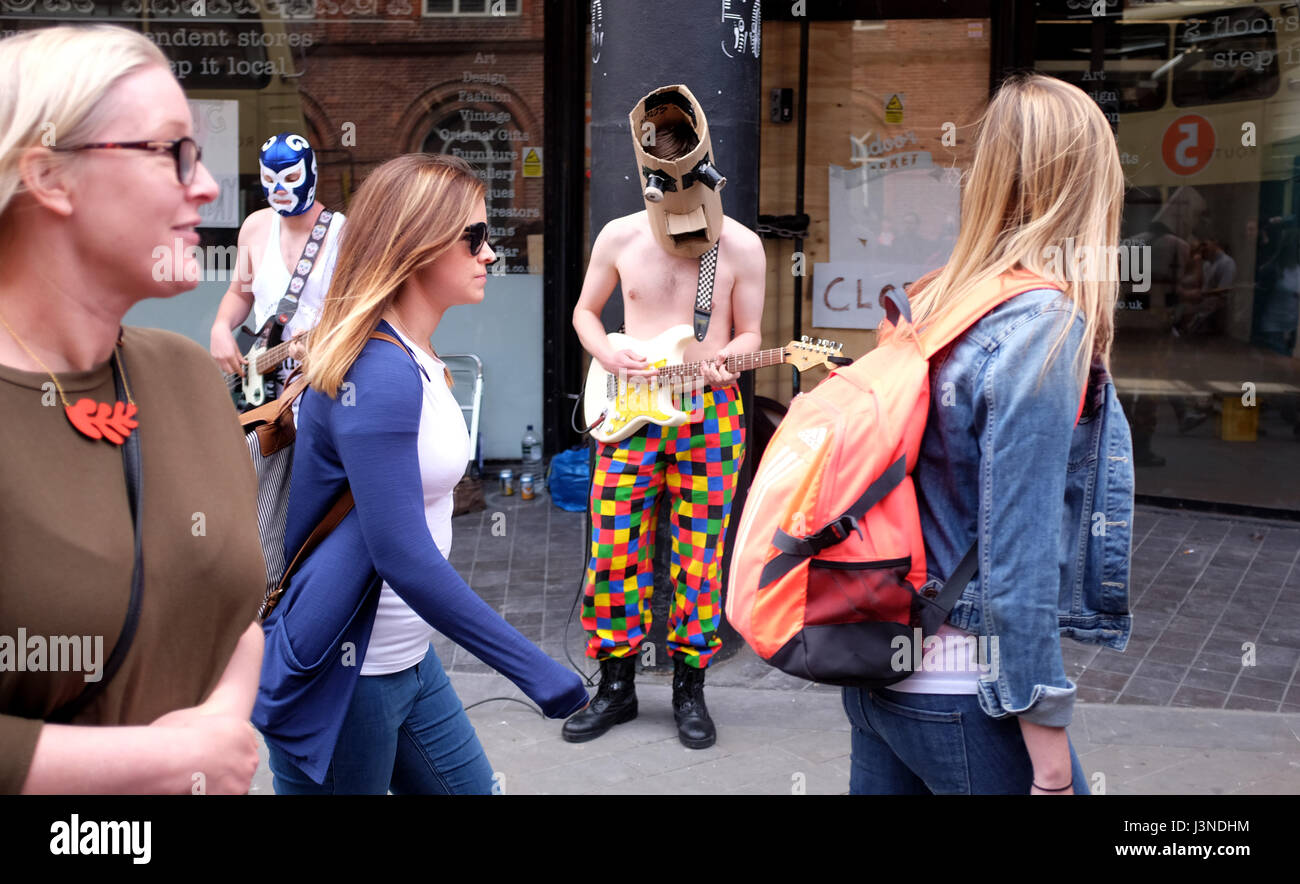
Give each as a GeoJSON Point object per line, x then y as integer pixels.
{"type": "Point", "coordinates": [694, 727]}
{"type": "Point", "coordinates": [615, 702]}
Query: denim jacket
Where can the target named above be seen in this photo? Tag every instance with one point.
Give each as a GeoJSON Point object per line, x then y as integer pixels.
{"type": "Point", "coordinates": [1050, 502]}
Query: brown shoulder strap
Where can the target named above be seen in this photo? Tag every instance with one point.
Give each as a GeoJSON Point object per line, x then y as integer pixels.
{"type": "Point", "coordinates": [336, 513]}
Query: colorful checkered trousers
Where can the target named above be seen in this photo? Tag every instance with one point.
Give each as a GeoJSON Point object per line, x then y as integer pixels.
{"type": "Point", "coordinates": [698, 463]}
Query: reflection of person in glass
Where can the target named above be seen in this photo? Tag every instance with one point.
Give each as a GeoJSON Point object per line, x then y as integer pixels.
{"type": "Point", "coordinates": [1278, 311]}
{"type": "Point", "coordinates": [908, 246]}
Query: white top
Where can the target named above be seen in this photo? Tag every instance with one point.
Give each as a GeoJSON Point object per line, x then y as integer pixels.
{"type": "Point", "coordinates": [951, 662]}
{"type": "Point", "coordinates": [1220, 273]}
{"type": "Point", "coordinates": [400, 638]}
{"type": "Point", "coordinates": [272, 279]}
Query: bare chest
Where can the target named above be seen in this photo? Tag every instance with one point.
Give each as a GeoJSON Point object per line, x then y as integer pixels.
{"type": "Point", "coordinates": [659, 290]}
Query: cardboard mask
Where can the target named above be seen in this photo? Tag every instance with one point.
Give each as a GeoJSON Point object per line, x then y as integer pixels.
{"type": "Point", "coordinates": [682, 189]}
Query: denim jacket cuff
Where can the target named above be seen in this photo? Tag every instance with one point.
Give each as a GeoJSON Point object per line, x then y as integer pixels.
{"type": "Point", "coordinates": [1049, 706]}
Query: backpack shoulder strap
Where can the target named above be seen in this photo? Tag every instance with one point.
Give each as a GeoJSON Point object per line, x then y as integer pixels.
{"type": "Point", "coordinates": [983, 298]}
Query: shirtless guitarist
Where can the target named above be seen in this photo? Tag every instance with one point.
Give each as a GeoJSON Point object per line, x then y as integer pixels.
{"type": "Point", "coordinates": [665, 259]}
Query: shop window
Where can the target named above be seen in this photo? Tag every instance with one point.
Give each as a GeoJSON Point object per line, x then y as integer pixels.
{"type": "Point", "coordinates": [1133, 54]}
{"type": "Point", "coordinates": [471, 7]}
{"type": "Point", "coordinates": [1229, 56]}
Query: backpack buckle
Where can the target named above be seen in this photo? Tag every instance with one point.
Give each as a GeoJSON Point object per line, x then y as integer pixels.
{"type": "Point", "coordinates": [835, 532]}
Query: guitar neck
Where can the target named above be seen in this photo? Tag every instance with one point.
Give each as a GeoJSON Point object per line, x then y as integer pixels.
{"type": "Point", "coordinates": [273, 357]}
{"type": "Point", "coordinates": [739, 362]}
{"type": "Point", "coordinates": [265, 362]}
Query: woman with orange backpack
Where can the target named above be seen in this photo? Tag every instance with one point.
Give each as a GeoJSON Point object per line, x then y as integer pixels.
{"type": "Point", "coordinates": [1025, 462]}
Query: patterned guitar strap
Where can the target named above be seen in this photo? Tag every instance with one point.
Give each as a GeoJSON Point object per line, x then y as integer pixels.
{"type": "Point", "coordinates": [289, 303]}
{"type": "Point", "coordinates": [704, 291]}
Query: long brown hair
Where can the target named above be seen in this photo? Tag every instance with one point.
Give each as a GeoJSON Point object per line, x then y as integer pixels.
{"type": "Point", "coordinates": [1046, 172]}
{"type": "Point", "coordinates": [406, 214]}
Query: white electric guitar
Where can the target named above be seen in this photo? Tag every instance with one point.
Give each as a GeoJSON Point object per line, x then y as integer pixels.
{"type": "Point", "coordinates": [616, 407]}
{"type": "Point", "coordinates": [255, 382]}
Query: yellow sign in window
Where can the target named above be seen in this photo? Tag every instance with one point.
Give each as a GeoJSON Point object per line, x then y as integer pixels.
{"type": "Point", "coordinates": [532, 162]}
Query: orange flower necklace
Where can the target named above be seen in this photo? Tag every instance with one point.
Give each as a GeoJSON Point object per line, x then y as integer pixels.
{"type": "Point", "coordinates": [95, 420]}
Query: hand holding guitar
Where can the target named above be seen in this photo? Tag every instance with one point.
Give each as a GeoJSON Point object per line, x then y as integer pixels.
{"type": "Point", "coordinates": [224, 349]}
{"type": "Point", "coordinates": [715, 371]}
{"type": "Point", "coordinates": [629, 361]}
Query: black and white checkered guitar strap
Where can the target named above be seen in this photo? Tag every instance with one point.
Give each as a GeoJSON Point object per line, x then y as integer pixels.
{"type": "Point", "coordinates": [704, 291]}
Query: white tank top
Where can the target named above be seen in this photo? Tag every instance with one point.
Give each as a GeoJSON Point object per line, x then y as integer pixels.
{"type": "Point", "coordinates": [272, 279]}
{"type": "Point", "coordinates": [400, 637]}
{"type": "Point", "coordinates": [950, 662]}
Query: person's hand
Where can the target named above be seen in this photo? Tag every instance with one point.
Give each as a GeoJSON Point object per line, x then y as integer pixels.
{"type": "Point", "coordinates": [224, 746]}
{"type": "Point", "coordinates": [224, 349]}
{"type": "Point", "coordinates": [629, 362]}
{"type": "Point", "coordinates": [715, 370]}
{"type": "Point", "coordinates": [297, 348]}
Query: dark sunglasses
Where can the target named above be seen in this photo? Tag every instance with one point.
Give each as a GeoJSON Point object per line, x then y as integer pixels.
{"type": "Point", "coordinates": [477, 237]}
{"type": "Point", "coordinates": [185, 152]}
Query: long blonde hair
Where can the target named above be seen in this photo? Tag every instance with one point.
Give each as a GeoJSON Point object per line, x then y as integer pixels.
{"type": "Point", "coordinates": [1046, 180]}
{"type": "Point", "coordinates": [55, 82]}
{"type": "Point", "coordinates": [407, 213]}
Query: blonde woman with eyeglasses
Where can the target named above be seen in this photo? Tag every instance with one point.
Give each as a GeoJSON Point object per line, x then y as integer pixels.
{"type": "Point", "coordinates": [128, 534]}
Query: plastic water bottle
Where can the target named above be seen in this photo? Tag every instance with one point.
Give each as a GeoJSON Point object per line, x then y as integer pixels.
{"type": "Point", "coordinates": [532, 448]}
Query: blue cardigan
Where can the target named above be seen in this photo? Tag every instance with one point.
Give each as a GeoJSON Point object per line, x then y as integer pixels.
{"type": "Point", "coordinates": [316, 637]}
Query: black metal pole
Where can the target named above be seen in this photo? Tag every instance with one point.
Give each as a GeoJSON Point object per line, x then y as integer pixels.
{"type": "Point", "coordinates": [566, 28]}
{"type": "Point", "coordinates": [636, 47]}
{"type": "Point", "coordinates": [801, 145]}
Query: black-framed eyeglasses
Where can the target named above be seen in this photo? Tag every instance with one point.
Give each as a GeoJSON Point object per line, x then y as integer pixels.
{"type": "Point", "coordinates": [185, 152]}
{"type": "Point", "coordinates": [477, 237]}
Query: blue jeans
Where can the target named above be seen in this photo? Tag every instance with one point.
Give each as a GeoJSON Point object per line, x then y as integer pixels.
{"type": "Point", "coordinates": [924, 744]}
{"type": "Point", "coordinates": [404, 732]}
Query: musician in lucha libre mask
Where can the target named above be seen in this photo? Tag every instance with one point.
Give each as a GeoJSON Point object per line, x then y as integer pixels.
{"type": "Point", "coordinates": [286, 258]}
{"type": "Point", "coordinates": [680, 262]}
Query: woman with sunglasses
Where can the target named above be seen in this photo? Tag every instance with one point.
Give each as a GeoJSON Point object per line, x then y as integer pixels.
{"type": "Point", "coordinates": [353, 698]}
{"type": "Point", "coordinates": [131, 569]}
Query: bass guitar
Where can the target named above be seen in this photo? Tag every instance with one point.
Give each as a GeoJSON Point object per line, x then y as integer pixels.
{"type": "Point", "coordinates": [254, 384]}
{"type": "Point", "coordinates": [617, 406]}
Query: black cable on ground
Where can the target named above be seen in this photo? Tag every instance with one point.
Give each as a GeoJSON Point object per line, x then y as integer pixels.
{"type": "Point", "coordinates": [582, 581]}
{"type": "Point", "coordinates": [508, 699]}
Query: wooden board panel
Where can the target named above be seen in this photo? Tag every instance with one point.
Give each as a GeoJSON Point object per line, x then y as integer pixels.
{"type": "Point", "coordinates": [941, 67]}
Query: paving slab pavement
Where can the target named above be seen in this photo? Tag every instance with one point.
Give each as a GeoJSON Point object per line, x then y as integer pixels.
{"type": "Point", "coordinates": [782, 742]}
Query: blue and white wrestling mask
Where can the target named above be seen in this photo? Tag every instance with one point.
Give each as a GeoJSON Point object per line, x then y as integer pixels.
{"type": "Point", "coordinates": [288, 167]}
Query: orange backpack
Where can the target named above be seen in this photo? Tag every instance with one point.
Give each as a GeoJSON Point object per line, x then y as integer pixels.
{"type": "Point", "coordinates": [828, 561]}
